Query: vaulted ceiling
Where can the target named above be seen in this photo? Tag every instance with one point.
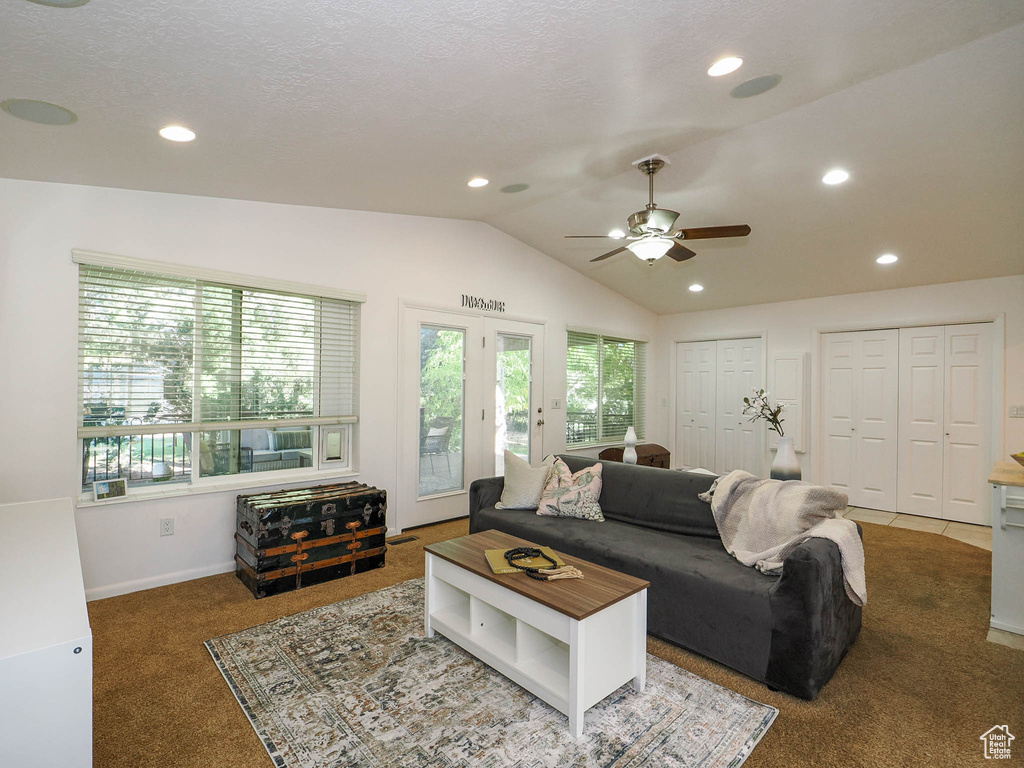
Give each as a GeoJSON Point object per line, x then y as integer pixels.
{"type": "Point", "coordinates": [393, 106]}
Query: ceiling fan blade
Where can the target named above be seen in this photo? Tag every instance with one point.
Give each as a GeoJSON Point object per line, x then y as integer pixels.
{"type": "Point", "coordinates": [680, 252]}
{"type": "Point", "coordinates": [604, 256]}
{"type": "Point", "coordinates": [706, 233]}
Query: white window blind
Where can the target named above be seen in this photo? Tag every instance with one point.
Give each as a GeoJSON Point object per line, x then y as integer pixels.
{"type": "Point", "coordinates": [158, 350]}
{"type": "Point", "coordinates": [606, 385]}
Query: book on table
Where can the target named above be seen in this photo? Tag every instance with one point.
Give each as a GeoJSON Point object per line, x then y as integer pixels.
{"type": "Point", "coordinates": [496, 559]}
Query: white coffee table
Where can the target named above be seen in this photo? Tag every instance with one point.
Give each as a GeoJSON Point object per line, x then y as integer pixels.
{"type": "Point", "coordinates": [569, 642]}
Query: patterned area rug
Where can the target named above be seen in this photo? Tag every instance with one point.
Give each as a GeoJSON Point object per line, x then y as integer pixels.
{"type": "Point", "coordinates": [357, 685]}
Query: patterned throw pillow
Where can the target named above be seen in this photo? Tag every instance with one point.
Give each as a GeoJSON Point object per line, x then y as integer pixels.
{"type": "Point", "coordinates": [572, 495]}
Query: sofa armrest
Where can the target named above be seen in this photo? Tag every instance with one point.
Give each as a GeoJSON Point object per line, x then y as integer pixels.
{"type": "Point", "coordinates": [484, 493]}
{"type": "Point", "coordinates": [814, 623]}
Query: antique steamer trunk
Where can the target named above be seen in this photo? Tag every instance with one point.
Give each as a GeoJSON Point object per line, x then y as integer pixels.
{"type": "Point", "coordinates": [647, 455]}
{"type": "Point", "coordinates": [287, 540]}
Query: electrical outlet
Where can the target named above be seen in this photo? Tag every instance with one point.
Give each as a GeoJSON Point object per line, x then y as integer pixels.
{"type": "Point", "coordinates": [556, 404]}
{"type": "Point", "coordinates": [167, 526]}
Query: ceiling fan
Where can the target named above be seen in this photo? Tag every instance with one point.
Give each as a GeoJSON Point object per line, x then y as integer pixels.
{"type": "Point", "coordinates": [651, 229]}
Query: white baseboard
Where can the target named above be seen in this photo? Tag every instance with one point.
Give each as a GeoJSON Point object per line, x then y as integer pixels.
{"type": "Point", "coordinates": [1002, 625]}
{"type": "Point", "coordinates": [137, 585]}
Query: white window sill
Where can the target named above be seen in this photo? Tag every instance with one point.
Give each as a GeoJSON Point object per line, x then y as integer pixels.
{"type": "Point", "coordinates": [219, 486]}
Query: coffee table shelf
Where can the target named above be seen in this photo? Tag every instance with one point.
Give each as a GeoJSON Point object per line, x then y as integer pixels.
{"type": "Point", "coordinates": [567, 659]}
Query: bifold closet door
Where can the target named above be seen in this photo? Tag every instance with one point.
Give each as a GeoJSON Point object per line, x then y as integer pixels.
{"type": "Point", "coordinates": [860, 407]}
{"type": "Point", "coordinates": [945, 422]}
{"type": "Point", "coordinates": [695, 404]}
{"type": "Point", "coordinates": [739, 442]}
{"type": "Point", "coordinates": [921, 422]}
{"type": "Point", "coordinates": [968, 416]}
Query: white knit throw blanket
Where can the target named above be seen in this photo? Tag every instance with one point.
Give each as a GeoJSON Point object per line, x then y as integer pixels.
{"type": "Point", "coordinates": [762, 521]}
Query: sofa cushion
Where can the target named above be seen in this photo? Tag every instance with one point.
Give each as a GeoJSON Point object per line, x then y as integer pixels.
{"type": "Point", "coordinates": [662, 499]}
{"type": "Point", "coordinates": [700, 596]}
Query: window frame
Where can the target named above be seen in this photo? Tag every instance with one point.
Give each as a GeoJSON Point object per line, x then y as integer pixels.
{"type": "Point", "coordinates": [639, 388]}
{"type": "Point", "coordinates": [194, 481]}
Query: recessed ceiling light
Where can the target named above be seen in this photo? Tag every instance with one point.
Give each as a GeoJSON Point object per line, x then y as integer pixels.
{"type": "Point", "coordinates": [835, 176]}
{"type": "Point", "coordinates": [725, 66]}
{"type": "Point", "coordinates": [177, 133]}
{"type": "Point", "coordinates": [618, 234]}
{"type": "Point", "coordinates": [478, 182]}
{"type": "Point", "coordinates": [887, 258]}
{"type": "Point", "coordinates": [42, 112]}
{"type": "Point", "coordinates": [513, 188]}
{"type": "Point", "coordinates": [60, 3]}
{"type": "Point", "coordinates": [696, 287]}
{"type": "Point", "coordinates": [755, 87]}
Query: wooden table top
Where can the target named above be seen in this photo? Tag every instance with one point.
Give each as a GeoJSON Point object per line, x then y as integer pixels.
{"type": "Point", "coordinates": [576, 598]}
{"type": "Point", "coordinates": [1007, 473]}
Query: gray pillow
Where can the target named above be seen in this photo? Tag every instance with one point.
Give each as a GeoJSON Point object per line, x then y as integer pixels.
{"type": "Point", "coordinates": [523, 483]}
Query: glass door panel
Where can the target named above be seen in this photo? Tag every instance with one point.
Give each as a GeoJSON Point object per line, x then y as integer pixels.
{"type": "Point", "coordinates": [512, 402]}
{"type": "Point", "coordinates": [442, 397]}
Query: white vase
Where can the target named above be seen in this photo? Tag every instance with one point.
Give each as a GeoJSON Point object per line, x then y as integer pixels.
{"type": "Point", "coordinates": [629, 454]}
{"type": "Point", "coordinates": [785, 466]}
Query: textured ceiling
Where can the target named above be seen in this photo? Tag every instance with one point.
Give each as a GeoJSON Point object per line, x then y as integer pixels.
{"type": "Point", "coordinates": [393, 106]}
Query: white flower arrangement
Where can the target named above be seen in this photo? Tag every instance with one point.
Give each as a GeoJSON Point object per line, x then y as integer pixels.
{"type": "Point", "coordinates": [759, 407]}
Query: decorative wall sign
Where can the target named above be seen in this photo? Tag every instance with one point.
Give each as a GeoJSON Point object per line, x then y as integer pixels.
{"type": "Point", "coordinates": [488, 305]}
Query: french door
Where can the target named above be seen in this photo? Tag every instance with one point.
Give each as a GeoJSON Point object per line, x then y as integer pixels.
{"type": "Point", "coordinates": [469, 387]}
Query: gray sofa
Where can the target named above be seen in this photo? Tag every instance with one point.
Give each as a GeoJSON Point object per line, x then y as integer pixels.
{"type": "Point", "coordinates": [789, 631]}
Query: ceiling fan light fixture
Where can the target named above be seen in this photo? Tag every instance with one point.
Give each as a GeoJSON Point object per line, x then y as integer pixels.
{"type": "Point", "coordinates": [725, 65]}
{"type": "Point", "coordinates": [650, 248]}
{"type": "Point", "coordinates": [617, 234]}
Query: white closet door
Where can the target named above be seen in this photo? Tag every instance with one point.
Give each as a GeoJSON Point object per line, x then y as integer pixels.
{"type": "Point", "coordinates": [838, 360]}
{"type": "Point", "coordinates": [921, 431]}
{"type": "Point", "coordinates": [860, 406]}
{"type": "Point", "coordinates": [968, 424]}
{"type": "Point", "coordinates": [877, 416]}
{"type": "Point", "coordinates": [695, 404]}
{"type": "Point", "coordinates": [739, 443]}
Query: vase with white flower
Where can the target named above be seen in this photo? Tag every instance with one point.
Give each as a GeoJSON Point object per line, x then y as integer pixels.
{"type": "Point", "coordinates": [760, 408]}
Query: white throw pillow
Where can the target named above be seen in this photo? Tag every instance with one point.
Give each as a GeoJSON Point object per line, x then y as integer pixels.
{"type": "Point", "coordinates": [523, 483]}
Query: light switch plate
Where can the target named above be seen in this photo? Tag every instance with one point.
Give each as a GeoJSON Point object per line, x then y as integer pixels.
{"type": "Point", "coordinates": [556, 404]}
{"type": "Point", "coordinates": [1017, 411]}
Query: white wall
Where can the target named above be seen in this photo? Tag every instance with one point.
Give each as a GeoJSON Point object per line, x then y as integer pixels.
{"type": "Point", "coordinates": [387, 256]}
{"type": "Point", "coordinates": [793, 326]}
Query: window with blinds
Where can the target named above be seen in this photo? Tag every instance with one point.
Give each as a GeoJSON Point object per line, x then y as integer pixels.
{"type": "Point", "coordinates": [606, 385]}
{"type": "Point", "coordinates": [182, 378]}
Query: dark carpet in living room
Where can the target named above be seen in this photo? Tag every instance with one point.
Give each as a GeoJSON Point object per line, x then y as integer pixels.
{"type": "Point", "coordinates": [919, 687]}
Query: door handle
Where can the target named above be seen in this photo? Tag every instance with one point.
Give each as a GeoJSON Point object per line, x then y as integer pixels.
{"type": "Point", "coordinates": [540, 422]}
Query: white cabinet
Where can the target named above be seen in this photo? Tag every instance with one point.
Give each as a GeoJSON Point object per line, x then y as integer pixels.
{"type": "Point", "coordinates": [1007, 489]}
{"type": "Point", "coordinates": [945, 421]}
{"type": "Point", "coordinates": [712, 378]}
{"type": "Point", "coordinates": [859, 407]}
{"type": "Point", "coordinates": [45, 640]}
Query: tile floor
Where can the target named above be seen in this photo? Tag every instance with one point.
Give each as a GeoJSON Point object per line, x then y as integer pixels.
{"type": "Point", "coordinates": [976, 535]}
